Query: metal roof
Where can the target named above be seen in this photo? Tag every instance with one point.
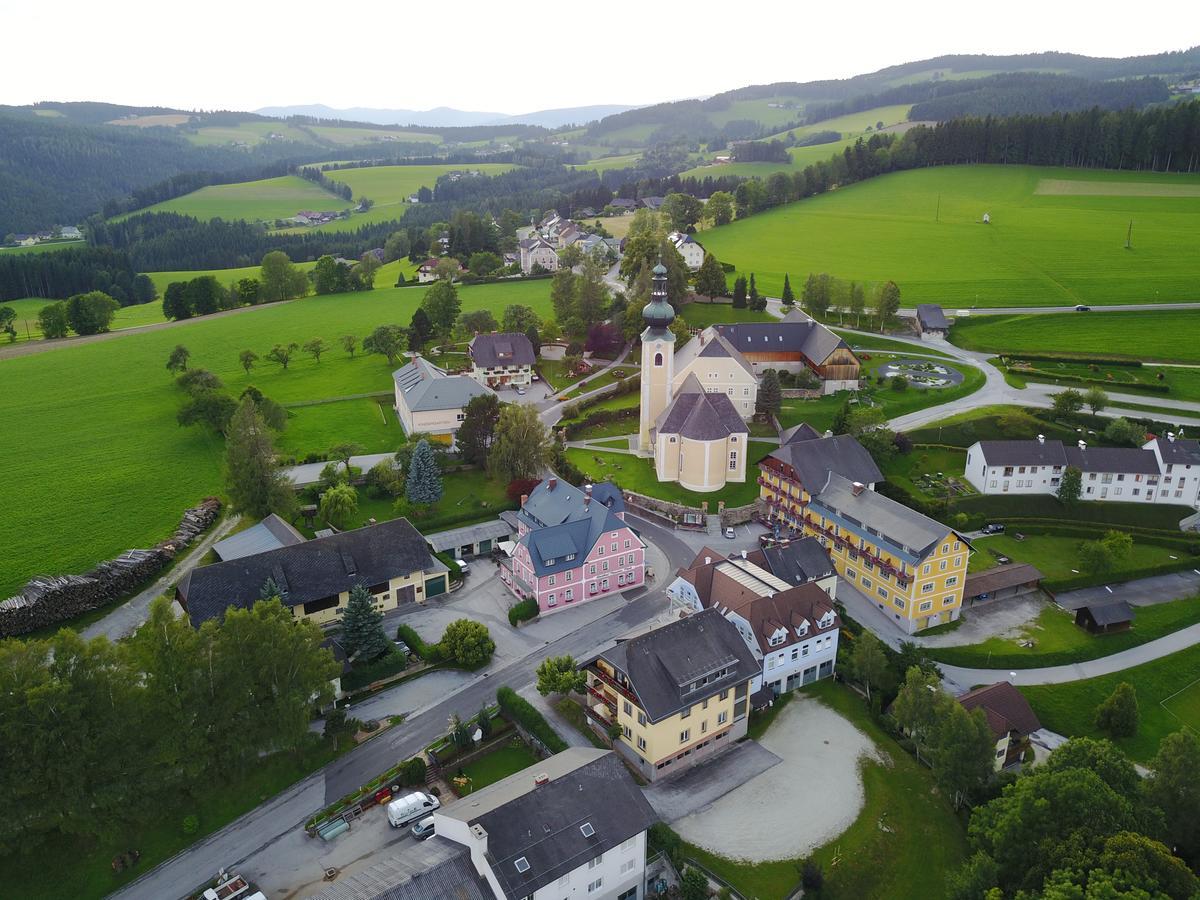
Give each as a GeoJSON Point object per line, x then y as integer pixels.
{"type": "Point", "coordinates": [470, 534]}
{"type": "Point", "coordinates": [425, 387]}
{"type": "Point", "coordinates": [875, 516]}
{"type": "Point", "coordinates": [269, 534]}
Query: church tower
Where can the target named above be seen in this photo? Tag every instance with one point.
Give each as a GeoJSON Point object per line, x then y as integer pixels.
{"type": "Point", "coordinates": [658, 358]}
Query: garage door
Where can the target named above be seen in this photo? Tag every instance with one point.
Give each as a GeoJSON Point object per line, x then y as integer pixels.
{"type": "Point", "coordinates": [435, 586]}
{"type": "Point", "coordinates": [406, 594]}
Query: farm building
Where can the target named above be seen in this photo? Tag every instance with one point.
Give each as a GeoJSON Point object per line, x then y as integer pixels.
{"type": "Point", "coordinates": [429, 400]}
{"type": "Point", "coordinates": [931, 322]}
{"type": "Point", "coordinates": [269, 534]}
{"type": "Point", "coordinates": [1002, 583]}
{"type": "Point", "coordinates": [474, 540]}
{"type": "Point", "coordinates": [1105, 618]}
{"type": "Point", "coordinates": [795, 344]}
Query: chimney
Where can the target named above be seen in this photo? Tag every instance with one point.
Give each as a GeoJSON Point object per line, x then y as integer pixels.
{"type": "Point", "coordinates": [828, 432]}
{"type": "Point", "coordinates": [541, 778]}
{"type": "Point", "coordinates": [857, 488]}
{"type": "Point", "coordinates": [551, 483]}
{"type": "Point", "coordinates": [524, 497]}
{"type": "Point", "coordinates": [1083, 445]}
{"type": "Point", "coordinates": [1171, 436]}
{"type": "Point", "coordinates": [743, 554]}
{"type": "Point", "coordinates": [1041, 439]}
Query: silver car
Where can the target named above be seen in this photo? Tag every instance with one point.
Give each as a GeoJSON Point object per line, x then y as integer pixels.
{"type": "Point", "coordinates": [423, 829]}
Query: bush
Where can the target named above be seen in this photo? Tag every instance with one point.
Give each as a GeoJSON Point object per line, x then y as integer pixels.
{"type": "Point", "coordinates": [413, 771]}
{"type": "Point", "coordinates": [1072, 358]}
{"type": "Point", "coordinates": [190, 824]}
{"type": "Point", "coordinates": [430, 653]}
{"type": "Point", "coordinates": [467, 643]}
{"type": "Point", "coordinates": [603, 417]}
{"type": "Point", "coordinates": [522, 612]}
{"type": "Point", "coordinates": [1118, 715]}
{"type": "Point", "coordinates": [522, 712]}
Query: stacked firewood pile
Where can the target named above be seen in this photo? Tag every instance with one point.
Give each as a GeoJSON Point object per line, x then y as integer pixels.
{"type": "Point", "coordinates": [48, 599]}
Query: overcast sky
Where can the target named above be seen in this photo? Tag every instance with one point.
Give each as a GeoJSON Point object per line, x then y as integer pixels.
{"type": "Point", "coordinates": [512, 57]}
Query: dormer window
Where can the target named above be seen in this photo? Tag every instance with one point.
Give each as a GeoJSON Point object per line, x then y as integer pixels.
{"type": "Point", "coordinates": [550, 562]}
{"type": "Point", "coordinates": [776, 639]}
{"type": "Point", "coordinates": [569, 557]}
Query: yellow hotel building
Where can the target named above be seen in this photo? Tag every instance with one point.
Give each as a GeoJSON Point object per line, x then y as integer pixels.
{"type": "Point", "coordinates": [677, 694]}
{"type": "Point", "coordinates": [910, 566]}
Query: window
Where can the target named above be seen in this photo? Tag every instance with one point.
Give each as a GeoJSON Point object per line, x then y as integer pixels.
{"type": "Point", "coordinates": [595, 862]}
{"type": "Point", "coordinates": [628, 866]}
{"type": "Point", "coordinates": [866, 582]}
{"type": "Point", "coordinates": [851, 574]}
{"type": "Point", "coordinates": [724, 695]}
{"type": "Point", "coordinates": [951, 581]}
{"type": "Point", "coordinates": [882, 592]}
{"type": "Point", "coordinates": [626, 543]}
{"type": "Point", "coordinates": [522, 864]}
{"type": "Point", "coordinates": [628, 708]}
{"type": "Point", "coordinates": [641, 743]}
{"type": "Point", "coordinates": [927, 588]}
{"type": "Point", "coordinates": [595, 885]}
{"type": "Point", "coordinates": [625, 730]}
{"type": "Point", "coordinates": [570, 595]}
{"type": "Point", "coordinates": [957, 561]}
{"type": "Point", "coordinates": [948, 600]}
{"type": "Point", "coordinates": [613, 548]}
{"type": "Point", "coordinates": [687, 712]}
{"type": "Point", "coordinates": [926, 606]}
{"type": "Point", "coordinates": [722, 718]}
{"type": "Point", "coordinates": [704, 727]}
{"type": "Point", "coordinates": [641, 718]}
{"type": "Point", "coordinates": [685, 735]}
{"type": "Point", "coordinates": [601, 550]}
{"type": "Point", "coordinates": [732, 459]}
{"type": "Point", "coordinates": [550, 601]}
{"type": "Point", "coordinates": [551, 581]}
{"type": "Point", "coordinates": [942, 566]}
{"type": "Point", "coordinates": [586, 829]}
{"type": "Point", "coordinates": [592, 569]}
{"type": "Point", "coordinates": [658, 359]}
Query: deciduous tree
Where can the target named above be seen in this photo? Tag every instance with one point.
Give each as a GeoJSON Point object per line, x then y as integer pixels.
{"type": "Point", "coordinates": [1070, 487]}
{"type": "Point", "coordinates": [888, 303]}
{"type": "Point", "coordinates": [388, 340]}
{"type": "Point", "coordinates": [522, 447]}
{"type": "Point", "coordinates": [1118, 715]}
{"type": "Point", "coordinates": [349, 344]}
{"type": "Point", "coordinates": [1096, 400]}
{"type": "Point", "coordinates": [719, 208]}
{"type": "Point", "coordinates": [253, 481]}
{"type": "Point", "coordinates": [283, 353]}
{"type": "Point", "coordinates": [478, 321]}
{"type": "Point", "coordinates": [962, 751]}
{"type": "Point", "coordinates": [519, 318]}
{"type": "Point", "coordinates": [91, 313]}
{"type": "Point", "coordinates": [52, 320]}
{"type": "Point", "coordinates": [339, 504]}
{"type": "Point", "coordinates": [177, 361]}
{"type": "Point", "coordinates": [559, 675]}
{"type": "Point", "coordinates": [279, 279]}
{"type": "Point", "coordinates": [315, 347]}
{"type": "Point", "coordinates": [869, 663]}
{"type": "Point", "coordinates": [442, 304]}
{"type": "Point", "coordinates": [1067, 402]}
{"type": "Point", "coordinates": [710, 280]}
{"type": "Point", "coordinates": [247, 358]}
{"type": "Point", "coordinates": [467, 643]}
{"type": "Point", "coordinates": [478, 428]}
{"type": "Point", "coordinates": [1174, 787]}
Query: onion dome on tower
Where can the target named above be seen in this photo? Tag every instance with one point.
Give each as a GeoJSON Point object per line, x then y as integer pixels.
{"type": "Point", "coordinates": [658, 313]}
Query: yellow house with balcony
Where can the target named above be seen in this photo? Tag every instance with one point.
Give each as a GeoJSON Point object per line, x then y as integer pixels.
{"type": "Point", "coordinates": [910, 566]}
{"type": "Point", "coordinates": [676, 694]}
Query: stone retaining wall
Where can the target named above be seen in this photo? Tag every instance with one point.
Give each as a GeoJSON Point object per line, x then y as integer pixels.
{"type": "Point", "coordinates": [47, 599]}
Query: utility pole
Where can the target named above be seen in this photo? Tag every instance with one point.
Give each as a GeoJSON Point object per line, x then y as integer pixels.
{"type": "Point", "coordinates": [937, 216]}
{"type": "Point", "coordinates": [1129, 236]}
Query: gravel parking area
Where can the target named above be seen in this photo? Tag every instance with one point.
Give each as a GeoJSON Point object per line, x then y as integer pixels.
{"type": "Point", "coordinates": [810, 797]}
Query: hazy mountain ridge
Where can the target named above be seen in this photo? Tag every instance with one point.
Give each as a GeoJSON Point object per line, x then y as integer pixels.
{"type": "Point", "coordinates": [448, 117]}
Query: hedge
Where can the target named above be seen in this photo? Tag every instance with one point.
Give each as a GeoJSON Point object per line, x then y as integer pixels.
{"type": "Point", "coordinates": [431, 653]}
{"type": "Point", "coordinates": [603, 417]}
{"type": "Point", "coordinates": [361, 675]}
{"type": "Point", "coordinates": [1044, 506]}
{"type": "Point", "coordinates": [1153, 387]}
{"type": "Point", "coordinates": [451, 563]}
{"type": "Point", "coordinates": [522, 712]}
{"type": "Point", "coordinates": [1071, 358]}
{"type": "Point", "coordinates": [1085, 531]}
{"type": "Point", "coordinates": [523, 612]}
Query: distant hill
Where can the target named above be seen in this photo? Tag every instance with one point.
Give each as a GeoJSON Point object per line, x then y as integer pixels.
{"type": "Point", "coordinates": [446, 117]}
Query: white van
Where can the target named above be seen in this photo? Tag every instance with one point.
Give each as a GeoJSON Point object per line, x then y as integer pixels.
{"type": "Point", "coordinates": [410, 808]}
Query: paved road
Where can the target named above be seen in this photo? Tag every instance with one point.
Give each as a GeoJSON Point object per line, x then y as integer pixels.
{"type": "Point", "coordinates": [281, 816]}
{"type": "Point", "coordinates": [127, 617]}
{"type": "Point", "coordinates": [550, 409]}
{"type": "Point", "coordinates": [1044, 310]}
{"type": "Point", "coordinates": [960, 679]}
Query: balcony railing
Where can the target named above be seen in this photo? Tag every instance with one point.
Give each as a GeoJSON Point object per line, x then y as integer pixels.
{"type": "Point", "coordinates": [605, 698]}
{"type": "Point", "coordinates": [884, 566]}
{"type": "Point", "coordinates": [612, 683]}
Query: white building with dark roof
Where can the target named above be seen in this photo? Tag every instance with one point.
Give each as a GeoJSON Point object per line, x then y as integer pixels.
{"type": "Point", "coordinates": [573, 825]}
{"type": "Point", "coordinates": [700, 440]}
{"type": "Point", "coordinates": [931, 322]}
{"type": "Point", "coordinates": [502, 359]}
{"type": "Point", "coordinates": [689, 248]}
{"type": "Point", "coordinates": [1164, 470]}
{"type": "Point", "coordinates": [429, 400]}
{"type": "Point", "coordinates": [537, 251]}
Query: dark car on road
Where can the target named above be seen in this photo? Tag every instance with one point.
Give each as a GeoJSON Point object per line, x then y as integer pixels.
{"type": "Point", "coordinates": [993, 528]}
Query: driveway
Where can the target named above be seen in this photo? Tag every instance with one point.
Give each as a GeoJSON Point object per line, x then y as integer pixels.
{"type": "Point", "coordinates": [1143, 592]}
{"type": "Point", "coordinates": [814, 794]}
{"type": "Point", "coordinates": [708, 782]}
{"type": "Point", "coordinates": [1001, 618]}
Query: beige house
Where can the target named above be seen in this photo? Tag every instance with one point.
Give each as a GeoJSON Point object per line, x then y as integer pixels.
{"type": "Point", "coordinates": [537, 251]}
{"type": "Point", "coordinates": [700, 440]}
{"type": "Point", "coordinates": [431, 401]}
{"type": "Point", "coordinates": [314, 578]}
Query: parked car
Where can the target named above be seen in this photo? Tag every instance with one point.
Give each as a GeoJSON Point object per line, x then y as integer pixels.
{"type": "Point", "coordinates": [521, 391]}
{"type": "Point", "coordinates": [993, 528]}
{"type": "Point", "coordinates": [402, 647]}
{"type": "Point", "coordinates": [411, 808]}
{"type": "Point", "coordinates": [535, 377]}
{"type": "Point", "coordinates": [730, 533]}
{"type": "Point", "coordinates": [1081, 308]}
{"type": "Point", "coordinates": [423, 829]}
{"type": "Point", "coordinates": [463, 565]}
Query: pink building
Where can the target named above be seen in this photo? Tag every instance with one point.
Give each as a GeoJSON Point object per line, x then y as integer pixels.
{"type": "Point", "coordinates": [573, 546]}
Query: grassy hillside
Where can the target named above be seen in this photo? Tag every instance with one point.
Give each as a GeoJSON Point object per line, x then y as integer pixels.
{"type": "Point", "coordinates": [123, 470]}
{"type": "Point", "coordinates": [1153, 334]}
{"type": "Point", "coordinates": [265, 200]}
{"type": "Point", "coordinates": [1044, 245]}
{"type": "Point", "coordinates": [251, 134]}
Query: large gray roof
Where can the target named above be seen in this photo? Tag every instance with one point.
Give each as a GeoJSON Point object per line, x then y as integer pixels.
{"type": "Point", "coordinates": [664, 665]}
{"type": "Point", "coordinates": [1023, 453]}
{"type": "Point", "coordinates": [544, 824]}
{"type": "Point", "coordinates": [269, 534]}
{"type": "Point", "coordinates": [506, 349]}
{"type": "Point", "coordinates": [798, 562]}
{"type": "Point", "coordinates": [875, 516]}
{"type": "Point", "coordinates": [815, 458]}
{"type": "Point", "coordinates": [930, 315]}
{"type": "Point", "coordinates": [313, 570]}
{"type": "Point", "coordinates": [496, 529]}
{"type": "Point", "coordinates": [700, 416]}
{"type": "Point", "coordinates": [1113, 459]}
{"type": "Point", "coordinates": [425, 387]}
{"type": "Point", "coordinates": [1179, 451]}
{"type": "Point", "coordinates": [564, 524]}
{"type": "Point", "coordinates": [711, 344]}
{"type": "Point", "coordinates": [796, 332]}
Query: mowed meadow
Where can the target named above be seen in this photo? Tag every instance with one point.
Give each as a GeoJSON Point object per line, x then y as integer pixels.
{"type": "Point", "coordinates": [97, 462]}
{"type": "Point", "coordinates": [1048, 243]}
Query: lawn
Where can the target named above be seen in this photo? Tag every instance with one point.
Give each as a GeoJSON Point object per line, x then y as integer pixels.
{"type": "Point", "coordinates": [701, 315]}
{"type": "Point", "coordinates": [43, 247]}
{"type": "Point", "coordinates": [1070, 708]}
{"type": "Point", "coordinates": [573, 713]}
{"type": "Point", "coordinates": [1152, 334]}
{"type": "Point", "coordinates": [65, 868]}
{"type": "Point", "coordinates": [113, 434]}
{"type": "Point", "coordinates": [255, 201]}
{"type": "Point", "coordinates": [923, 843]}
{"type": "Point", "coordinates": [872, 342]}
{"type": "Point", "coordinates": [498, 764]}
{"type": "Point", "coordinates": [610, 163]}
{"type": "Point", "coordinates": [923, 229]}
{"type": "Point", "coordinates": [1059, 641]}
{"type": "Point", "coordinates": [595, 382]}
{"type": "Point", "coordinates": [126, 317]}
{"type": "Point", "coordinates": [369, 422]}
{"type": "Point", "coordinates": [1058, 557]}
{"type": "Point", "coordinates": [918, 471]}
{"type": "Point", "coordinates": [635, 473]}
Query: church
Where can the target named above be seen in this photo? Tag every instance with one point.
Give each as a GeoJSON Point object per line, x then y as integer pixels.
{"type": "Point", "coordinates": [695, 404]}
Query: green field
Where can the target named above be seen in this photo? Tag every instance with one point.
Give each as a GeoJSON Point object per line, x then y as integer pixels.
{"type": "Point", "coordinates": [350, 135]}
{"type": "Point", "coordinates": [44, 247]}
{"type": "Point", "coordinates": [125, 317]}
{"type": "Point", "coordinates": [923, 229]}
{"type": "Point", "coordinates": [701, 315]}
{"type": "Point", "coordinates": [254, 201]}
{"type": "Point", "coordinates": [1153, 334]}
{"type": "Point", "coordinates": [123, 470]}
{"type": "Point", "coordinates": [1057, 640]}
{"type": "Point", "coordinates": [609, 163]}
{"type": "Point", "coordinates": [635, 473]}
{"type": "Point", "coordinates": [1070, 708]}
{"type": "Point", "coordinates": [1058, 557]}
{"type": "Point", "coordinates": [498, 764]}
{"type": "Point", "coordinates": [391, 186]}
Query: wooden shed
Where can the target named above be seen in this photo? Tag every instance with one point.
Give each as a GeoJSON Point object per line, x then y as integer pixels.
{"type": "Point", "coordinates": [1104, 618]}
